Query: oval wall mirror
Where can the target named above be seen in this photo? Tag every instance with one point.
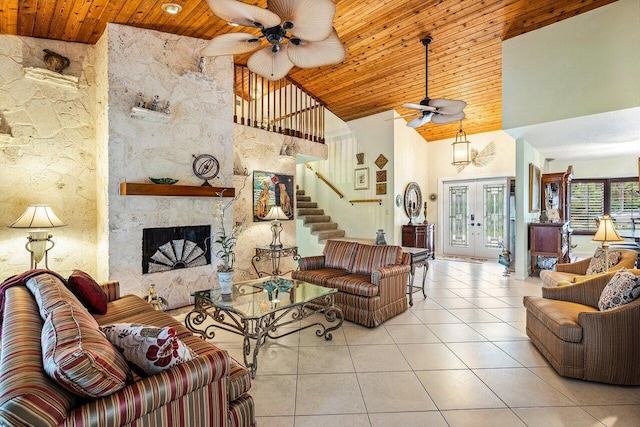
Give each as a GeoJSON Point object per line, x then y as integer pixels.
{"type": "Point", "coordinates": [412, 200]}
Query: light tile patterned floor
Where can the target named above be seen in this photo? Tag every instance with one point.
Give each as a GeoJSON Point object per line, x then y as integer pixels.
{"type": "Point", "coordinates": [459, 358]}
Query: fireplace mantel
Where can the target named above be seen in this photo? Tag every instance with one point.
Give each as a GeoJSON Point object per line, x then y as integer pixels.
{"type": "Point", "coordinates": [141, 189]}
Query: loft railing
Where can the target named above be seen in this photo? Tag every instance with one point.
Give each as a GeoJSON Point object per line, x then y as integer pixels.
{"type": "Point", "coordinates": [280, 106]}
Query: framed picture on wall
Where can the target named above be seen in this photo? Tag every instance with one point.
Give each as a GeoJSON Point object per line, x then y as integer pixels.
{"type": "Point", "coordinates": [361, 179]}
{"type": "Point", "coordinates": [272, 189]}
{"type": "Point", "coordinates": [534, 188]}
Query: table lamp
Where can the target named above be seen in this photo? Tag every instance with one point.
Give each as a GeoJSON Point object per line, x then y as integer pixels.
{"type": "Point", "coordinates": [606, 233]}
{"type": "Point", "coordinates": [38, 219]}
{"type": "Point", "coordinates": [275, 214]}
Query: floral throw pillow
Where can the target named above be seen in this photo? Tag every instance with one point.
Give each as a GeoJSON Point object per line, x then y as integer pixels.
{"type": "Point", "coordinates": [597, 264]}
{"type": "Point", "coordinates": [623, 288]}
{"type": "Point", "coordinates": [148, 349]}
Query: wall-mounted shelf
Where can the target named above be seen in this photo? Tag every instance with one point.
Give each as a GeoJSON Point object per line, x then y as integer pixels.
{"type": "Point", "coordinates": [150, 115]}
{"type": "Point", "coordinates": [379, 201]}
{"type": "Point", "coordinates": [137, 189]}
{"type": "Point", "coordinates": [48, 76]}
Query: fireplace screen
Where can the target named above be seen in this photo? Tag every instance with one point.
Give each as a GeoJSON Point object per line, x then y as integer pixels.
{"type": "Point", "coordinates": [171, 248]}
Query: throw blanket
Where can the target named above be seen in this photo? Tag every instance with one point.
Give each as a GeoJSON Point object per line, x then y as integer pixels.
{"type": "Point", "coordinates": [21, 280]}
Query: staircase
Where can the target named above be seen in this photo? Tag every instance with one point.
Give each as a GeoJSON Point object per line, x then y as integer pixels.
{"type": "Point", "coordinates": [314, 218]}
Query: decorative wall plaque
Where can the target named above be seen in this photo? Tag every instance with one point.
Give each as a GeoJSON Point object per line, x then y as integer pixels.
{"type": "Point", "coordinates": [381, 188]}
{"type": "Point", "coordinates": [381, 176]}
{"type": "Point", "coordinates": [381, 161]}
{"type": "Point", "coordinates": [360, 158]}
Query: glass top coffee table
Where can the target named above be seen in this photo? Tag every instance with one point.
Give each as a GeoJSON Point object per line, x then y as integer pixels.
{"type": "Point", "coordinates": [257, 309]}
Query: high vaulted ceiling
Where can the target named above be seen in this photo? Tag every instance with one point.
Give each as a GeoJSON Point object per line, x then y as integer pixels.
{"type": "Point", "coordinates": [385, 59]}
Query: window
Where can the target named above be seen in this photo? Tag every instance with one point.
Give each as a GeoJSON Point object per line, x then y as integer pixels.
{"type": "Point", "coordinates": [592, 198]}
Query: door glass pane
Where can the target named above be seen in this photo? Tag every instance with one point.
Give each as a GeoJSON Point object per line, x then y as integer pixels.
{"type": "Point", "coordinates": [494, 210]}
{"type": "Point", "coordinates": [458, 208]}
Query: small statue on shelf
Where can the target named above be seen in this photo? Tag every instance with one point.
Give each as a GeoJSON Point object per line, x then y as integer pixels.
{"type": "Point", "coordinates": [202, 64]}
{"type": "Point", "coordinates": [54, 61]}
{"type": "Point", "coordinates": [167, 108]}
{"type": "Point", "coordinates": [154, 103]}
{"type": "Point", "coordinates": [140, 101]}
{"type": "Point", "coordinates": [425, 214]}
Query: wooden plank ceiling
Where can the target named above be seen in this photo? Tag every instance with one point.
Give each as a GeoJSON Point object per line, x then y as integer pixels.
{"type": "Point", "coordinates": [385, 59]}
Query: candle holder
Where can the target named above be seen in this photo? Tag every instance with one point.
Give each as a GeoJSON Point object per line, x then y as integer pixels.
{"type": "Point", "coordinates": [425, 214]}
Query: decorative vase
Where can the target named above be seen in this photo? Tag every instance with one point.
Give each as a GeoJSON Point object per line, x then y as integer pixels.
{"type": "Point", "coordinates": [226, 281]}
{"type": "Point", "coordinates": [380, 238]}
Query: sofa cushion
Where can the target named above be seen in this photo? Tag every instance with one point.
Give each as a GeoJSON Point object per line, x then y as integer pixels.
{"type": "Point", "coordinates": [88, 292]}
{"type": "Point", "coordinates": [597, 263]}
{"type": "Point", "coordinates": [370, 257]}
{"type": "Point", "coordinates": [148, 349]}
{"type": "Point", "coordinates": [319, 276]}
{"type": "Point", "coordinates": [356, 284]}
{"type": "Point", "coordinates": [339, 254]}
{"type": "Point", "coordinates": [560, 317]}
{"type": "Point", "coordinates": [623, 288]}
{"type": "Point", "coordinates": [78, 356]}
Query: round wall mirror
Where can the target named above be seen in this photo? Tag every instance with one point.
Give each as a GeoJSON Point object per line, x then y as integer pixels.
{"type": "Point", "coordinates": [412, 200]}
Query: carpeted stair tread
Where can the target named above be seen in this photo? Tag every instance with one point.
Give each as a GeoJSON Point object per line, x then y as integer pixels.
{"type": "Point", "coordinates": [303, 199]}
{"type": "Point", "coordinates": [310, 211]}
{"type": "Point", "coordinates": [307, 205]}
{"type": "Point", "coordinates": [312, 219]}
{"type": "Point", "coordinates": [328, 234]}
{"type": "Point", "coordinates": [323, 226]}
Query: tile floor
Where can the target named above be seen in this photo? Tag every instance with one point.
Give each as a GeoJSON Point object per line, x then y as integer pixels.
{"type": "Point", "coordinates": [459, 358]}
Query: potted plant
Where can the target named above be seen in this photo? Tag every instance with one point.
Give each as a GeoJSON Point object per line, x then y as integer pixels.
{"type": "Point", "coordinates": [226, 239]}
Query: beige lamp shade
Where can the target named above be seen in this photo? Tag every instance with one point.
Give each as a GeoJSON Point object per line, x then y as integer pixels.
{"type": "Point", "coordinates": [276, 212]}
{"type": "Point", "coordinates": [606, 231]}
{"type": "Point", "coordinates": [38, 217]}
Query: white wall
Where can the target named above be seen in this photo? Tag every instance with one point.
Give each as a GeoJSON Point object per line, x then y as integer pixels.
{"type": "Point", "coordinates": [580, 66]}
{"type": "Point", "coordinates": [51, 158]}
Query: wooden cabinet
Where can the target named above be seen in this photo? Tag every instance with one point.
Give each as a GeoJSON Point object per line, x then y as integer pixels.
{"type": "Point", "coordinates": [554, 195]}
{"type": "Point", "coordinates": [549, 240]}
{"type": "Point", "coordinates": [419, 236]}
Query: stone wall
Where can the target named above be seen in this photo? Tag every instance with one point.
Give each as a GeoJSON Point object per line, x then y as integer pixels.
{"type": "Point", "coordinates": [51, 157]}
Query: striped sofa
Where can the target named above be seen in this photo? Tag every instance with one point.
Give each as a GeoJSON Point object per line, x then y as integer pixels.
{"type": "Point", "coordinates": [371, 280]}
{"type": "Point", "coordinates": [208, 390]}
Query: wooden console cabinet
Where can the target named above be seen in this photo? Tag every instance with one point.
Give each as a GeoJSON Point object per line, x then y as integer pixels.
{"type": "Point", "coordinates": [419, 236]}
{"type": "Point", "coordinates": [549, 240]}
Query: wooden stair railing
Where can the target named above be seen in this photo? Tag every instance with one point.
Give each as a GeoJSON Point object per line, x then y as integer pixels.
{"type": "Point", "coordinates": [323, 179]}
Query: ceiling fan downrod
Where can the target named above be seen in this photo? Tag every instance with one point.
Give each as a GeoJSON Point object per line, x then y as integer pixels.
{"type": "Point", "coordinates": [426, 41]}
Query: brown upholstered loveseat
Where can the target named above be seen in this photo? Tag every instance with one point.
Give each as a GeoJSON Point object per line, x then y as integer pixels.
{"type": "Point", "coordinates": [579, 340]}
{"type": "Point", "coordinates": [577, 271]}
{"type": "Point", "coordinates": [371, 280]}
{"type": "Point", "coordinates": [209, 390]}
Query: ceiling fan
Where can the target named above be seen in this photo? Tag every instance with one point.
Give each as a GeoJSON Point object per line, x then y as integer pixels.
{"type": "Point", "coordinates": [299, 32]}
{"type": "Point", "coordinates": [438, 110]}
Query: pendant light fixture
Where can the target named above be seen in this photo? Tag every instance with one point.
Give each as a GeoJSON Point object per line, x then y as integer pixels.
{"type": "Point", "coordinates": [461, 149]}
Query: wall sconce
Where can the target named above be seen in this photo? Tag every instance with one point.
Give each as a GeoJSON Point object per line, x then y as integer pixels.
{"type": "Point", "coordinates": [461, 149]}
{"type": "Point", "coordinates": [606, 233]}
{"type": "Point", "coordinates": [275, 214]}
{"type": "Point", "coordinates": [38, 219]}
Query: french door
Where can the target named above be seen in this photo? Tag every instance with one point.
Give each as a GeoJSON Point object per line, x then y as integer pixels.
{"type": "Point", "coordinates": [475, 214]}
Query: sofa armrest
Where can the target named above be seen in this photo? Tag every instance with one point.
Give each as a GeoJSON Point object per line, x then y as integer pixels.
{"type": "Point", "coordinates": [112, 289]}
{"type": "Point", "coordinates": [585, 293]}
{"type": "Point", "coordinates": [578, 267]}
{"type": "Point", "coordinates": [311, 263]}
{"type": "Point", "coordinates": [379, 274]}
{"type": "Point", "coordinates": [612, 344]}
{"type": "Point", "coordinates": [150, 393]}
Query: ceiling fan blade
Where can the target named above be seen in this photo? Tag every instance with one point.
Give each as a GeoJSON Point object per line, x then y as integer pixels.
{"type": "Point", "coordinates": [309, 54]}
{"type": "Point", "coordinates": [448, 106]}
{"type": "Point", "coordinates": [441, 119]}
{"type": "Point", "coordinates": [312, 19]}
{"type": "Point", "coordinates": [418, 107]}
{"type": "Point", "coordinates": [416, 123]}
{"type": "Point", "coordinates": [231, 44]}
{"type": "Point", "coordinates": [271, 65]}
{"type": "Point", "coordinates": [404, 116]}
{"type": "Point", "coordinates": [236, 12]}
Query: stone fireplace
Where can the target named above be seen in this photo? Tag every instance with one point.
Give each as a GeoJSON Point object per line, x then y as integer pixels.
{"type": "Point", "coordinates": [173, 248]}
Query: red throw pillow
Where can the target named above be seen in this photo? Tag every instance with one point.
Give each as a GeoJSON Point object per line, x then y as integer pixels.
{"type": "Point", "coordinates": [88, 292]}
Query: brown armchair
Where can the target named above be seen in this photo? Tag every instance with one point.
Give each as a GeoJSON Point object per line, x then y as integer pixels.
{"type": "Point", "coordinates": [568, 273]}
{"type": "Point", "coordinates": [579, 340]}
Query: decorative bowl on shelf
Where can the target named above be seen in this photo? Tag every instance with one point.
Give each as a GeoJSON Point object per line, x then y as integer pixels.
{"type": "Point", "coordinates": [168, 181]}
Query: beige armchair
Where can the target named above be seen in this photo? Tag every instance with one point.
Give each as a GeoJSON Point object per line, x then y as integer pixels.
{"type": "Point", "coordinates": [579, 340]}
{"type": "Point", "coordinates": [569, 273]}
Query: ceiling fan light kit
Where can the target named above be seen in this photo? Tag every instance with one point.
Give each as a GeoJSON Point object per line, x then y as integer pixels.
{"type": "Point", "coordinates": [298, 32]}
{"type": "Point", "coordinates": [438, 110]}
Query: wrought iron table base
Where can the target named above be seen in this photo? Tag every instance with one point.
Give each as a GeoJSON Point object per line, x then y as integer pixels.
{"type": "Point", "coordinates": [273, 254]}
{"type": "Point", "coordinates": [411, 289]}
{"type": "Point", "coordinates": [261, 328]}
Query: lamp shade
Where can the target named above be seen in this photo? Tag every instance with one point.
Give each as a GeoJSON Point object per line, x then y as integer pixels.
{"type": "Point", "coordinates": [38, 217]}
{"type": "Point", "coordinates": [606, 231]}
{"type": "Point", "coordinates": [276, 212]}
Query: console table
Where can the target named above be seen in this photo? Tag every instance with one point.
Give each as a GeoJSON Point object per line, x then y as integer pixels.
{"type": "Point", "coordinates": [273, 254]}
{"type": "Point", "coordinates": [419, 236]}
{"type": "Point", "coordinates": [419, 259]}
